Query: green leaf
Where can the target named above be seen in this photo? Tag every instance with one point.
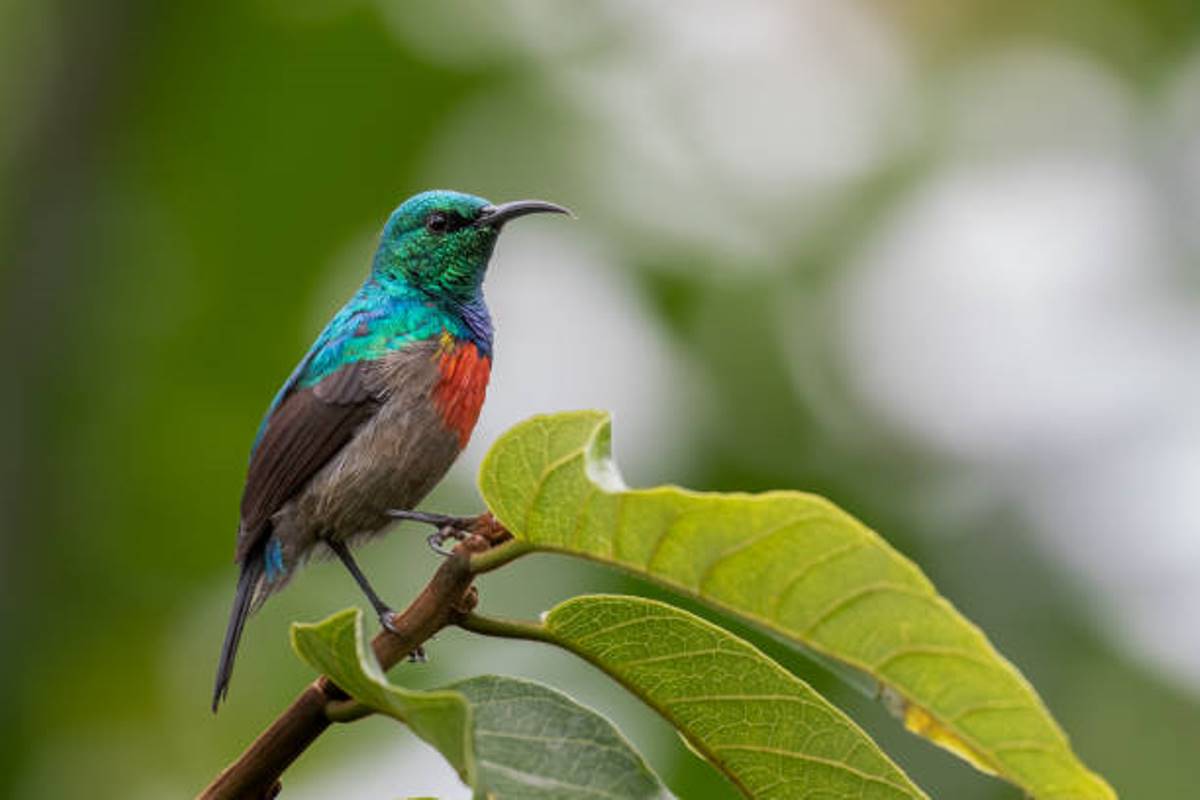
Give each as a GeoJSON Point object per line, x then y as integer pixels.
{"type": "Point", "coordinates": [763, 727]}
{"type": "Point", "coordinates": [534, 742]}
{"type": "Point", "coordinates": [506, 738]}
{"type": "Point", "coordinates": [336, 647]}
{"type": "Point", "coordinates": [799, 567]}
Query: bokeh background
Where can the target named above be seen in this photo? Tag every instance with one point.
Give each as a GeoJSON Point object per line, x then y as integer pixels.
{"type": "Point", "coordinates": [938, 261]}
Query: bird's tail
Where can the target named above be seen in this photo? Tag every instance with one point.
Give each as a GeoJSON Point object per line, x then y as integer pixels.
{"type": "Point", "coordinates": [243, 601]}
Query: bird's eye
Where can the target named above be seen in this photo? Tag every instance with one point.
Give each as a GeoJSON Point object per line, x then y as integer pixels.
{"type": "Point", "coordinates": [437, 222]}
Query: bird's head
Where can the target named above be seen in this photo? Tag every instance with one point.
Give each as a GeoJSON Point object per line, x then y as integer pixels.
{"type": "Point", "coordinates": [441, 241]}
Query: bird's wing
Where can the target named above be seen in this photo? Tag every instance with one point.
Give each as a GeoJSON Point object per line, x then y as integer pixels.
{"type": "Point", "coordinates": [352, 322]}
{"type": "Point", "coordinates": [304, 429]}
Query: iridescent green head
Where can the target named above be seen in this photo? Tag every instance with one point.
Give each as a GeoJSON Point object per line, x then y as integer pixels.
{"type": "Point", "coordinates": [441, 241]}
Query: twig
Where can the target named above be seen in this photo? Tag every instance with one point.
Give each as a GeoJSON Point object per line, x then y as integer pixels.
{"type": "Point", "coordinates": [504, 628]}
{"type": "Point", "coordinates": [447, 597]}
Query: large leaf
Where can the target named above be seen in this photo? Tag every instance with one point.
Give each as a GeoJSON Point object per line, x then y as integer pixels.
{"type": "Point", "coordinates": [506, 738]}
{"type": "Point", "coordinates": [763, 727]}
{"type": "Point", "coordinates": [799, 567]}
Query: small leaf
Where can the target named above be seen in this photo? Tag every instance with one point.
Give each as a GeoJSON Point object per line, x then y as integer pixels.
{"type": "Point", "coordinates": [799, 567]}
{"type": "Point", "coordinates": [506, 738]}
{"type": "Point", "coordinates": [336, 647]}
{"type": "Point", "coordinates": [763, 727]}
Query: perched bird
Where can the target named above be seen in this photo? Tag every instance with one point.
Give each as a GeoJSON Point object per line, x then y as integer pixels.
{"type": "Point", "coordinates": [379, 407]}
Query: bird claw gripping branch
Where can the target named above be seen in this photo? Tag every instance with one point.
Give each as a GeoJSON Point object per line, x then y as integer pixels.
{"type": "Point", "coordinates": [455, 528]}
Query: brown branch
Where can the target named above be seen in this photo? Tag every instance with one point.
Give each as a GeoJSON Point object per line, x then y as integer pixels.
{"type": "Point", "coordinates": [448, 596]}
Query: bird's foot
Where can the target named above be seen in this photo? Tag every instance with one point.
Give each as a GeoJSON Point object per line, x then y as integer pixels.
{"type": "Point", "coordinates": [448, 527]}
{"type": "Point", "coordinates": [437, 540]}
{"type": "Point", "coordinates": [457, 528]}
{"type": "Point", "coordinates": [386, 617]}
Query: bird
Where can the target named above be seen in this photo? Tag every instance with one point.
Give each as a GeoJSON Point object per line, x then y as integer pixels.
{"type": "Point", "coordinates": [378, 408]}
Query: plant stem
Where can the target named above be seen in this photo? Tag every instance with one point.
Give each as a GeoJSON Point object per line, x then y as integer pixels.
{"type": "Point", "coordinates": [504, 628]}
{"type": "Point", "coordinates": [346, 711]}
{"type": "Point", "coordinates": [499, 555]}
{"type": "Point", "coordinates": [447, 597]}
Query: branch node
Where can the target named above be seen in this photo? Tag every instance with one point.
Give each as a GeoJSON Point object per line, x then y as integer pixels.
{"type": "Point", "coordinates": [466, 604]}
{"type": "Point", "coordinates": [489, 528]}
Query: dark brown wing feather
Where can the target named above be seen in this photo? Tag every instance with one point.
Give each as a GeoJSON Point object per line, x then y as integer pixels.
{"type": "Point", "coordinates": [307, 429]}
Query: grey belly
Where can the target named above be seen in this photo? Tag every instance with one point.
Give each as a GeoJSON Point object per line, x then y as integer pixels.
{"type": "Point", "coordinates": [393, 461]}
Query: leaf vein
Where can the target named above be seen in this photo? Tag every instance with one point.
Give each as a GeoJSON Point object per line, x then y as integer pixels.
{"type": "Point", "coordinates": [733, 550]}
{"type": "Point", "coordinates": [829, 762]}
{"type": "Point", "coordinates": [711, 651]}
{"type": "Point", "coordinates": [804, 571]}
{"type": "Point", "coordinates": [859, 594]}
{"type": "Point", "coordinates": [931, 650]}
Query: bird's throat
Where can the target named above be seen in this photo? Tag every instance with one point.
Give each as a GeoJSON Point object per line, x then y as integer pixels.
{"type": "Point", "coordinates": [478, 320]}
{"type": "Point", "coordinates": [463, 373]}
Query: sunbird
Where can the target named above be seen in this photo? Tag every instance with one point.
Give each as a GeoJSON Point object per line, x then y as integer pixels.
{"type": "Point", "coordinates": [380, 406]}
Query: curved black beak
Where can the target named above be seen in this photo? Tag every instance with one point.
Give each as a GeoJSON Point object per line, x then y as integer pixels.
{"type": "Point", "coordinates": [496, 216]}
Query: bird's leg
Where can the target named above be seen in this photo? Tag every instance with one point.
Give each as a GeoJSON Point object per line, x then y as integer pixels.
{"type": "Point", "coordinates": [436, 520]}
{"type": "Point", "coordinates": [381, 608]}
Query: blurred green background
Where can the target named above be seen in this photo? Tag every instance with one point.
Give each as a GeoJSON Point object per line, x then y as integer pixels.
{"type": "Point", "coordinates": [937, 261]}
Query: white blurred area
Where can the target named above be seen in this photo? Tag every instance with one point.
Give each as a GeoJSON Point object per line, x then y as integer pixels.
{"type": "Point", "coordinates": [394, 759]}
{"type": "Point", "coordinates": [726, 126]}
{"type": "Point", "coordinates": [1026, 314]}
{"type": "Point", "coordinates": [1023, 310]}
{"type": "Point", "coordinates": [572, 333]}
